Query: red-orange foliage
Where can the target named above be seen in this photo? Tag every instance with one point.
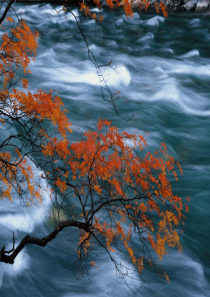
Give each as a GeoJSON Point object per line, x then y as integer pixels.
{"type": "Point", "coordinates": [126, 5]}
{"type": "Point", "coordinates": [120, 195]}
{"type": "Point", "coordinates": [106, 176]}
{"type": "Point", "coordinates": [16, 106]}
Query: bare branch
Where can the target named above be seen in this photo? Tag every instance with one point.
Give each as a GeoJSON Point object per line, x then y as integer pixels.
{"type": "Point", "coordinates": [6, 10]}
{"type": "Point", "coordinates": [38, 241]}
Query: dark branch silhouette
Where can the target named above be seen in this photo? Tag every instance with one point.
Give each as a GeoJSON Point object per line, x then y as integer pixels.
{"type": "Point", "coordinates": [6, 10]}
{"type": "Point", "coordinates": [38, 241]}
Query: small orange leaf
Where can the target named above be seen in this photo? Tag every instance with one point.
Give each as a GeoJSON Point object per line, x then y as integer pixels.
{"type": "Point", "coordinates": [9, 20]}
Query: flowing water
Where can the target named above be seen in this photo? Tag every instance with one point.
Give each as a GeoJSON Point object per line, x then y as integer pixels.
{"type": "Point", "coordinates": [162, 69]}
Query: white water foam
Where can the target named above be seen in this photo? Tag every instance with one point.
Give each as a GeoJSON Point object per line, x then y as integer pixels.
{"type": "Point", "coordinates": [194, 23]}
{"type": "Point", "coordinates": [148, 37]}
{"type": "Point", "coordinates": [22, 219]}
{"type": "Point", "coordinates": [105, 281]}
{"type": "Point", "coordinates": [168, 50]}
{"type": "Point", "coordinates": [22, 263]}
{"type": "Point", "coordinates": [193, 69]}
{"type": "Point", "coordinates": [71, 16]}
{"type": "Point", "coordinates": [172, 92]}
{"type": "Point", "coordinates": [52, 12]}
{"type": "Point", "coordinates": [166, 84]}
{"type": "Point", "coordinates": [191, 54]}
{"type": "Point", "coordinates": [155, 21]}
{"type": "Point", "coordinates": [86, 73]}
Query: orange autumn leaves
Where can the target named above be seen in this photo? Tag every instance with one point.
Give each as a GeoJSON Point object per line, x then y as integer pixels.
{"type": "Point", "coordinates": [15, 49]}
{"type": "Point", "coordinates": [106, 176]}
{"type": "Point", "coordinates": [42, 106]}
{"type": "Point", "coordinates": [126, 5]}
{"type": "Point", "coordinates": [14, 53]}
{"type": "Point", "coordinates": [21, 108]}
{"type": "Point", "coordinates": [120, 194]}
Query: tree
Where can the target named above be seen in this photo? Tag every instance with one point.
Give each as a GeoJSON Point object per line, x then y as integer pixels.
{"type": "Point", "coordinates": [120, 193]}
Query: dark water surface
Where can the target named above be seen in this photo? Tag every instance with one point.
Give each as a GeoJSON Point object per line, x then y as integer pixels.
{"type": "Point", "coordinates": [163, 74]}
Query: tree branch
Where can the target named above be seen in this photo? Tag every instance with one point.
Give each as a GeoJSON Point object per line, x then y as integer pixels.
{"type": "Point", "coordinates": [6, 10]}
{"type": "Point", "coordinates": [39, 241]}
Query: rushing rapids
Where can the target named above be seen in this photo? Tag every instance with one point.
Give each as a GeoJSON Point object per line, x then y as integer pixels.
{"type": "Point", "coordinates": [162, 69]}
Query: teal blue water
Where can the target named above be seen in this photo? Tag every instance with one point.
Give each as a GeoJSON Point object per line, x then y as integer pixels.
{"type": "Point", "coordinates": [162, 69]}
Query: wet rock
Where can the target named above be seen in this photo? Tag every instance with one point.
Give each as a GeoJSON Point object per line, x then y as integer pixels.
{"type": "Point", "coordinates": [183, 2]}
{"type": "Point", "coordinates": [169, 5]}
{"type": "Point", "coordinates": [138, 4]}
{"type": "Point", "coordinates": [191, 5]}
{"type": "Point", "coordinates": [202, 6]}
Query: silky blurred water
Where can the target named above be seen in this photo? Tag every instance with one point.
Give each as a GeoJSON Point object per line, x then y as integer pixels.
{"type": "Point", "coordinates": [162, 69]}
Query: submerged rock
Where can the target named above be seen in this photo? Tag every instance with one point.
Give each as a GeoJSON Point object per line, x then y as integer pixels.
{"type": "Point", "coordinates": [202, 5]}
{"type": "Point", "coordinates": [169, 5]}
{"type": "Point", "coordinates": [190, 5]}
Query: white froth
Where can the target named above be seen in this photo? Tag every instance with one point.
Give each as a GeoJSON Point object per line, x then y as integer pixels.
{"type": "Point", "coordinates": [192, 69]}
{"type": "Point", "coordinates": [71, 16]}
{"type": "Point", "coordinates": [194, 23]}
{"type": "Point", "coordinates": [52, 12]}
{"type": "Point", "coordinates": [119, 76]}
{"type": "Point", "coordinates": [119, 22]}
{"type": "Point", "coordinates": [114, 77]}
{"type": "Point", "coordinates": [96, 9]}
{"type": "Point", "coordinates": [160, 72]}
{"type": "Point", "coordinates": [168, 92]}
{"type": "Point", "coordinates": [146, 38]}
{"type": "Point", "coordinates": [191, 54]}
{"type": "Point", "coordinates": [155, 21]}
{"type": "Point", "coordinates": [105, 282]}
{"type": "Point", "coordinates": [168, 50]}
{"type": "Point", "coordinates": [22, 262]}
{"type": "Point", "coordinates": [24, 219]}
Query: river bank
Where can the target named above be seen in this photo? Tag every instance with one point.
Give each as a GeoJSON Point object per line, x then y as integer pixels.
{"type": "Point", "coordinates": [174, 6]}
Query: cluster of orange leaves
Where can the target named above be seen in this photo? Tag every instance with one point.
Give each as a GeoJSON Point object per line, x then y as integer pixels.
{"type": "Point", "coordinates": [15, 51]}
{"type": "Point", "coordinates": [127, 6]}
{"type": "Point", "coordinates": [104, 157]}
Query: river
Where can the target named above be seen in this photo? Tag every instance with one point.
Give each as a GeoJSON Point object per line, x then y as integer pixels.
{"type": "Point", "coordinates": [162, 69]}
